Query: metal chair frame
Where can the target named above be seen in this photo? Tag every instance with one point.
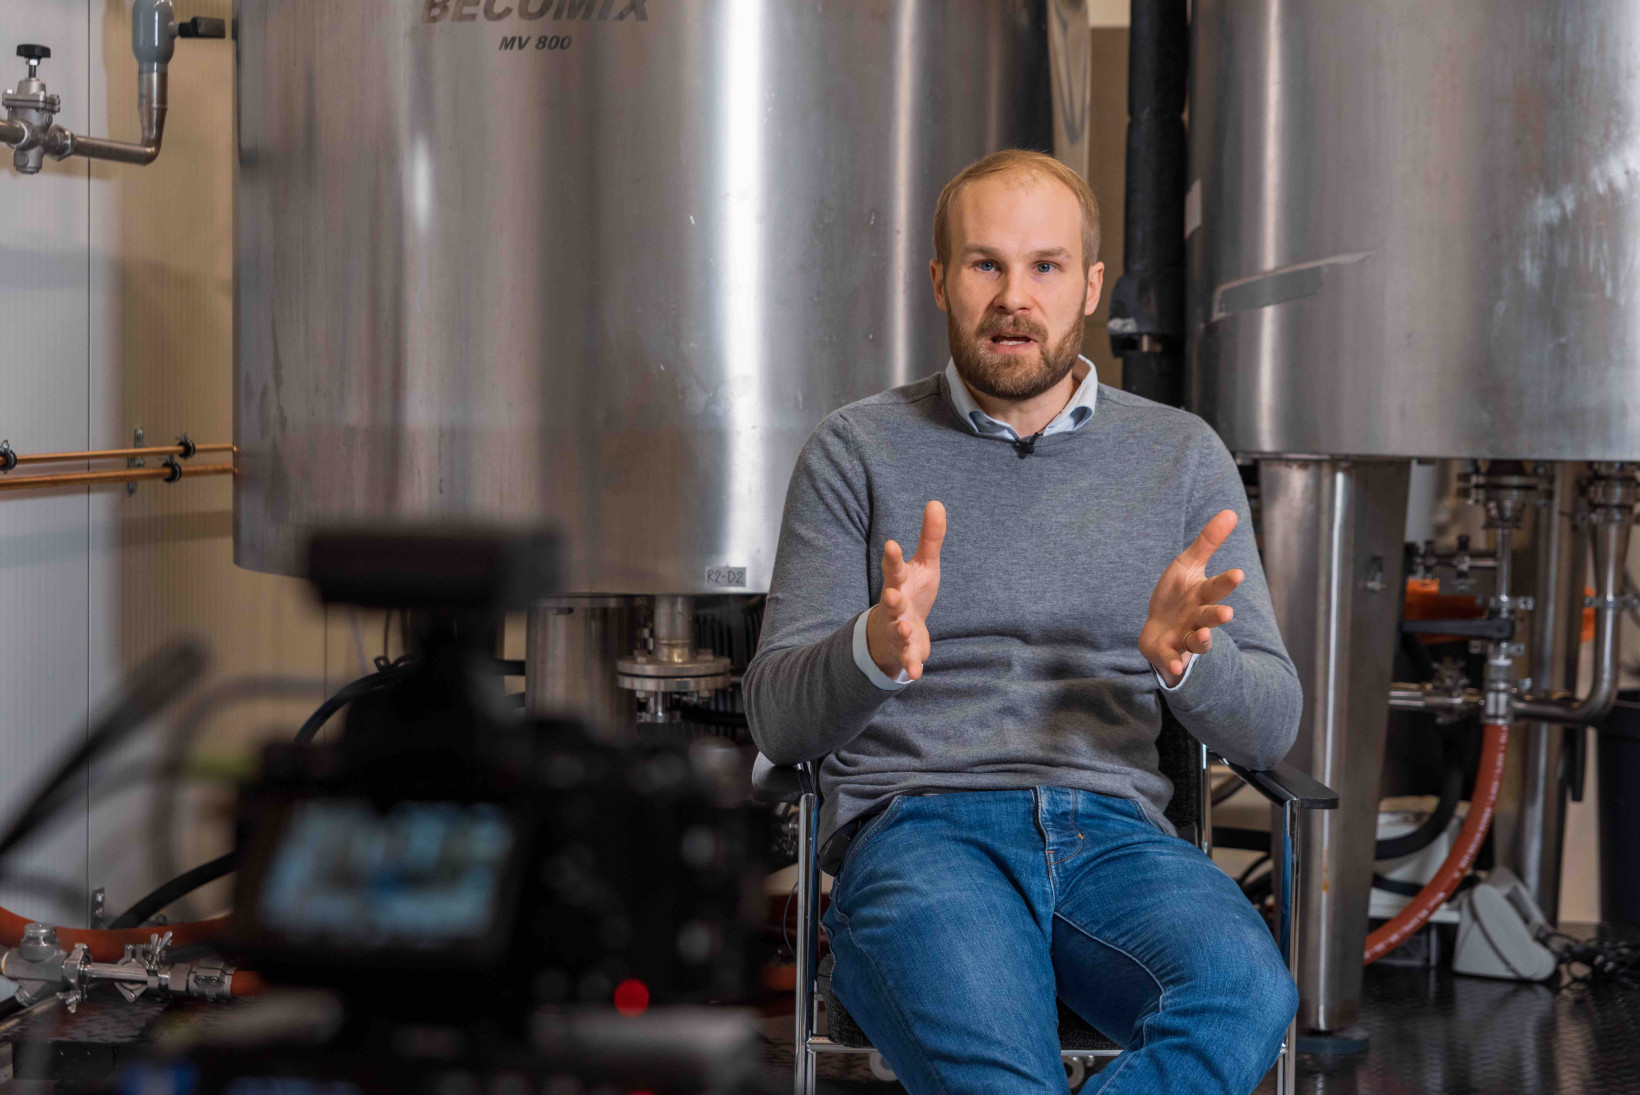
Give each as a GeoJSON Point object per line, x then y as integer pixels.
{"type": "Point", "coordinates": [1287, 788]}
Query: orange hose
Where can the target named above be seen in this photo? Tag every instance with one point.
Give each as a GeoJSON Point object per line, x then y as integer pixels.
{"type": "Point", "coordinates": [1494, 743]}
{"type": "Point", "coordinates": [109, 946]}
{"type": "Point", "coordinates": [248, 983]}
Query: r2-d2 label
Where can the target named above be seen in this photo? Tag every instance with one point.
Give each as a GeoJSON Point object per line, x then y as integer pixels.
{"type": "Point", "coordinates": [726, 576]}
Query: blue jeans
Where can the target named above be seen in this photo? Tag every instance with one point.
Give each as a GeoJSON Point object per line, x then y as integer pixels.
{"type": "Point", "coordinates": [956, 919]}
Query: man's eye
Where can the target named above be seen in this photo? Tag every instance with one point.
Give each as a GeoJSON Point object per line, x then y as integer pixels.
{"type": "Point", "coordinates": [986, 265]}
{"type": "Point", "coordinates": [1045, 267]}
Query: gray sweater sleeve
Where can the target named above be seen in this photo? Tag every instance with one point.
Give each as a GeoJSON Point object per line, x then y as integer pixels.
{"type": "Point", "coordinates": [805, 697]}
{"type": "Point", "coordinates": [1243, 698]}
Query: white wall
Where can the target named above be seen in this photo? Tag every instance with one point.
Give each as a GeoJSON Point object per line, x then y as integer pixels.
{"type": "Point", "coordinates": [45, 376]}
{"type": "Point", "coordinates": [116, 303]}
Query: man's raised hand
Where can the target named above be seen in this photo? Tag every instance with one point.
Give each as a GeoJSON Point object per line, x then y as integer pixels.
{"type": "Point", "coordinates": [897, 628]}
{"type": "Point", "coordinates": [1184, 607]}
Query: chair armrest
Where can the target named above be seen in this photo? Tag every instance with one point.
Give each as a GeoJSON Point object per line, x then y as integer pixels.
{"type": "Point", "coordinates": [1284, 783]}
{"type": "Point", "coordinates": [772, 783]}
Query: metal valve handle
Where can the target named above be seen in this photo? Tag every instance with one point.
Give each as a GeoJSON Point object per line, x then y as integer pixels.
{"type": "Point", "coordinates": [33, 54]}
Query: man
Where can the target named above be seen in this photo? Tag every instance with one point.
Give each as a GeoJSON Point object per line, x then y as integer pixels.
{"type": "Point", "coordinates": [987, 709]}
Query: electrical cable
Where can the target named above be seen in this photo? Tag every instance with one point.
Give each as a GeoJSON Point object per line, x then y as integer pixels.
{"type": "Point", "coordinates": [1397, 886]}
{"type": "Point", "coordinates": [148, 689]}
{"type": "Point", "coordinates": [1259, 889]}
{"type": "Point", "coordinates": [1413, 889]}
{"type": "Point", "coordinates": [155, 681]}
{"type": "Point", "coordinates": [1431, 828]}
{"type": "Point", "coordinates": [153, 685]}
{"type": "Point", "coordinates": [176, 889]}
{"type": "Point", "coordinates": [1494, 744]}
{"type": "Point", "coordinates": [123, 779]}
{"type": "Point", "coordinates": [188, 881]}
{"type": "Point", "coordinates": [1252, 869]}
{"type": "Point", "coordinates": [185, 730]}
{"type": "Point", "coordinates": [346, 695]}
{"type": "Point", "coordinates": [1602, 960]}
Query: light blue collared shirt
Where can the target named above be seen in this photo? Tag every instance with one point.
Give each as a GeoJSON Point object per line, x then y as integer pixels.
{"type": "Point", "coordinates": [1077, 413]}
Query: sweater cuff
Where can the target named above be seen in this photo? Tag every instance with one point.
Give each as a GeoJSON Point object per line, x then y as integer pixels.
{"type": "Point", "coordinates": [862, 659]}
{"type": "Point", "coordinates": [1189, 664]}
{"type": "Point", "coordinates": [1205, 677]}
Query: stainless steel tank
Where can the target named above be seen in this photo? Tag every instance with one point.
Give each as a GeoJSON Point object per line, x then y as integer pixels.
{"type": "Point", "coordinates": [1415, 226]}
{"type": "Point", "coordinates": [605, 263]}
{"type": "Point", "coordinates": [1413, 231]}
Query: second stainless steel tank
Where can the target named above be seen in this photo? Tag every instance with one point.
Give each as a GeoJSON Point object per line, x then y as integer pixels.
{"type": "Point", "coordinates": [1415, 226]}
{"type": "Point", "coordinates": [605, 262]}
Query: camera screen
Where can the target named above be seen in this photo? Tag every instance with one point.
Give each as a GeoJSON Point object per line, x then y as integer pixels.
{"type": "Point", "coordinates": [421, 876]}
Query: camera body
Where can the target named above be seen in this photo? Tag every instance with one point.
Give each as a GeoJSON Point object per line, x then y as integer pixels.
{"type": "Point", "coordinates": [523, 890]}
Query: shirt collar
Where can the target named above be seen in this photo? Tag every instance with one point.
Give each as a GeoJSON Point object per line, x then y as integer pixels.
{"type": "Point", "coordinates": [1076, 414]}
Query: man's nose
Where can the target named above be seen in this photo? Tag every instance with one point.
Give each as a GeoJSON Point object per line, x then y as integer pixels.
{"type": "Point", "coordinates": [1012, 295]}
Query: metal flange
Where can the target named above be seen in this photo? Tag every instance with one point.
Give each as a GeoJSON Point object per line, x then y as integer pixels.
{"type": "Point", "coordinates": [705, 672]}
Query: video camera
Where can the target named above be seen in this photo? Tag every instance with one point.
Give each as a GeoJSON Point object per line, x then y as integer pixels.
{"type": "Point", "coordinates": [477, 892]}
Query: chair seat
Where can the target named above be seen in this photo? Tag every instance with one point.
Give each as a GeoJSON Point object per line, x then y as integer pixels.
{"type": "Point", "coordinates": [1074, 1031]}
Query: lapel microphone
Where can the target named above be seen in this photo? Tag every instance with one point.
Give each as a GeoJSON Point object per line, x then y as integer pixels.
{"type": "Point", "coordinates": [1028, 445]}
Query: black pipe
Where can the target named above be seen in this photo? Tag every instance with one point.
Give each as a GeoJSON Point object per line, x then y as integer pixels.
{"type": "Point", "coordinates": [1147, 320]}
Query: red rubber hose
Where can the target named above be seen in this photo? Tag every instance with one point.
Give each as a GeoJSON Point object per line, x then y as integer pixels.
{"type": "Point", "coordinates": [1494, 742]}
{"type": "Point", "coordinates": [109, 946]}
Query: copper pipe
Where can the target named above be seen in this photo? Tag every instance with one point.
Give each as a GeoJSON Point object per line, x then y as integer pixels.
{"type": "Point", "coordinates": [125, 475]}
{"type": "Point", "coordinates": [117, 454]}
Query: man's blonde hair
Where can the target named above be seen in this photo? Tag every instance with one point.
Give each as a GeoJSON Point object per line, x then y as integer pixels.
{"type": "Point", "coordinates": [1021, 161]}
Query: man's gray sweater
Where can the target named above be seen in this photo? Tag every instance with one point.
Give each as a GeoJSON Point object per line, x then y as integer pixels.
{"type": "Point", "coordinates": [1034, 677]}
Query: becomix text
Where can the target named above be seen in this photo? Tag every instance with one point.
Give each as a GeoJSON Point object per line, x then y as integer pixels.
{"type": "Point", "coordinates": [468, 11]}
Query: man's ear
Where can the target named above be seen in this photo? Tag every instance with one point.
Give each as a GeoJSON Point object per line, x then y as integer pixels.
{"type": "Point", "coordinates": [1096, 285]}
{"type": "Point", "coordinates": [936, 274]}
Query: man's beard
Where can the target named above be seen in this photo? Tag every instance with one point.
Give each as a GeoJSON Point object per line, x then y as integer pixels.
{"type": "Point", "coordinates": [1011, 376]}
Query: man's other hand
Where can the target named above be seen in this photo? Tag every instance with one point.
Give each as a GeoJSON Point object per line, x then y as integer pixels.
{"type": "Point", "coordinates": [1184, 608]}
{"type": "Point", "coordinates": [897, 628]}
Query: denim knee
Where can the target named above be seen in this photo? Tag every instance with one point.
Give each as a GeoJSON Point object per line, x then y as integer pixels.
{"type": "Point", "coordinates": [1264, 998]}
{"type": "Point", "coordinates": [1279, 996]}
{"type": "Point", "coordinates": [1245, 990]}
